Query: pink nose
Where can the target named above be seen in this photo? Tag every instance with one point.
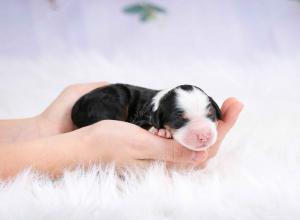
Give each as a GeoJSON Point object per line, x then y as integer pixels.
{"type": "Point", "coordinates": [203, 139]}
{"type": "Point", "coordinates": [198, 139]}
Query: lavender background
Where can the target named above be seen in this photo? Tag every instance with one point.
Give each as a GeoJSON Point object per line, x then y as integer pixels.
{"type": "Point", "coordinates": [248, 49]}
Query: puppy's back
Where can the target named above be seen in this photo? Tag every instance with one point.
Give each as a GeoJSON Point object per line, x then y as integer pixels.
{"type": "Point", "coordinates": [109, 102]}
{"type": "Point", "coordinates": [116, 102]}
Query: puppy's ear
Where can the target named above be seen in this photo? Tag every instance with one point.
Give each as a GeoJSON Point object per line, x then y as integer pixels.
{"type": "Point", "coordinates": [216, 107]}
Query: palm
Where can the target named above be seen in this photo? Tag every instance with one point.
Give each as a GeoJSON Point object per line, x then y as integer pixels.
{"type": "Point", "coordinates": [58, 114]}
{"type": "Point", "coordinates": [57, 117]}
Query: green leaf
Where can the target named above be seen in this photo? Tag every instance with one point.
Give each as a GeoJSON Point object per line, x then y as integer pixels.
{"type": "Point", "coordinates": [144, 17]}
{"type": "Point", "coordinates": [156, 8]}
{"type": "Point", "coordinates": [134, 9]}
{"type": "Point", "coordinates": [146, 11]}
{"type": "Point", "coordinates": [147, 15]}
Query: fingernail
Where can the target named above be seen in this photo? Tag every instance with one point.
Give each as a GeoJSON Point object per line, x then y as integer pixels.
{"type": "Point", "coordinates": [198, 156]}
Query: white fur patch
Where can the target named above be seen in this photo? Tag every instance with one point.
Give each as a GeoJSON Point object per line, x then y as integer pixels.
{"type": "Point", "coordinates": [156, 99]}
{"type": "Point", "coordinates": [193, 102]}
{"type": "Point", "coordinates": [181, 133]}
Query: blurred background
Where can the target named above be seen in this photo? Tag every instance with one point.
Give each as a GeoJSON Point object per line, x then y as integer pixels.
{"type": "Point", "coordinates": [248, 49]}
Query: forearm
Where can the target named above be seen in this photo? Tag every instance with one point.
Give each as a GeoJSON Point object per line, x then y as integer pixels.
{"type": "Point", "coordinates": [49, 155]}
{"type": "Point", "coordinates": [17, 129]}
{"type": "Point", "coordinates": [25, 129]}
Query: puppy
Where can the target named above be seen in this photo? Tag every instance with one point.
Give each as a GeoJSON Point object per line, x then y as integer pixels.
{"type": "Point", "coordinates": [185, 112]}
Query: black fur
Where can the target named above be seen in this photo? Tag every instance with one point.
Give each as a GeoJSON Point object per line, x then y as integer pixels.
{"type": "Point", "coordinates": [168, 114]}
{"type": "Point", "coordinates": [133, 104]}
{"type": "Point", "coordinates": [117, 102]}
{"type": "Point", "coordinates": [214, 110]}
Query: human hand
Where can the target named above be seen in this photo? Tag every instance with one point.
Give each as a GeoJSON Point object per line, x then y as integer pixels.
{"type": "Point", "coordinates": [127, 144]}
{"type": "Point", "coordinates": [56, 118]}
{"type": "Point", "coordinates": [230, 109]}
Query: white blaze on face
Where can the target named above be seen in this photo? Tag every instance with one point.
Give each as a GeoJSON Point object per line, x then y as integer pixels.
{"type": "Point", "coordinates": [200, 132]}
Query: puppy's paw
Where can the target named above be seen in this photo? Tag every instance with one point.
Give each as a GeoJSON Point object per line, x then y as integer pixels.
{"type": "Point", "coordinates": [161, 132]}
{"type": "Point", "coordinates": [164, 133]}
{"type": "Point", "coordinates": [153, 130]}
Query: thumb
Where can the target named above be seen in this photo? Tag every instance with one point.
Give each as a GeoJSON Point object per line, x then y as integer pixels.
{"type": "Point", "coordinates": [230, 116]}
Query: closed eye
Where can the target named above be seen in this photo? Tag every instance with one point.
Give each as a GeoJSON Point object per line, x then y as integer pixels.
{"type": "Point", "coordinates": [211, 114]}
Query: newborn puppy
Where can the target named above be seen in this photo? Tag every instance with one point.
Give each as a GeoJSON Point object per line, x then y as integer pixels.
{"type": "Point", "coordinates": [185, 112]}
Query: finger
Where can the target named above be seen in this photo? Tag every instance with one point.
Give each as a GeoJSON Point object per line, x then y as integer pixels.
{"type": "Point", "coordinates": [213, 150]}
{"type": "Point", "coordinates": [179, 166]}
{"type": "Point", "coordinates": [153, 130]}
{"type": "Point", "coordinates": [71, 93]}
{"type": "Point", "coordinates": [134, 165]}
{"type": "Point", "coordinates": [231, 115]}
{"type": "Point", "coordinates": [158, 148]}
{"type": "Point", "coordinates": [162, 132]}
{"type": "Point", "coordinates": [171, 151]}
{"type": "Point", "coordinates": [227, 103]}
{"type": "Point", "coordinates": [140, 164]}
{"type": "Point", "coordinates": [188, 166]}
{"type": "Point", "coordinates": [93, 85]}
{"type": "Point", "coordinates": [87, 87]}
{"type": "Point", "coordinates": [168, 134]}
{"type": "Point", "coordinates": [224, 126]}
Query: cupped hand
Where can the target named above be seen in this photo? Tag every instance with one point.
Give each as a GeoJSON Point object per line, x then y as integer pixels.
{"type": "Point", "coordinates": [140, 145]}
{"type": "Point", "coordinates": [127, 144]}
{"type": "Point", "coordinates": [56, 119]}
{"type": "Point", "coordinates": [231, 110]}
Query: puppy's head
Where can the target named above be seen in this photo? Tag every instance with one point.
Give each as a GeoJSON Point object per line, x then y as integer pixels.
{"type": "Point", "coordinates": [189, 114]}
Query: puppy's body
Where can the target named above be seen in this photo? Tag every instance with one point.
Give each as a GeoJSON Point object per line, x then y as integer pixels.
{"type": "Point", "coordinates": [116, 102]}
{"type": "Point", "coordinates": [185, 112]}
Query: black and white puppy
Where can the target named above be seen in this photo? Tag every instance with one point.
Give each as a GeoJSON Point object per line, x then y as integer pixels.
{"type": "Point", "coordinates": [185, 112]}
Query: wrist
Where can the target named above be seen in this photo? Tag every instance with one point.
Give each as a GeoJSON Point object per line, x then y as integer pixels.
{"type": "Point", "coordinates": [92, 140]}
{"type": "Point", "coordinates": [17, 130]}
{"type": "Point", "coordinates": [45, 126]}
{"type": "Point", "coordinates": [80, 153]}
{"type": "Point", "coordinates": [50, 155]}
